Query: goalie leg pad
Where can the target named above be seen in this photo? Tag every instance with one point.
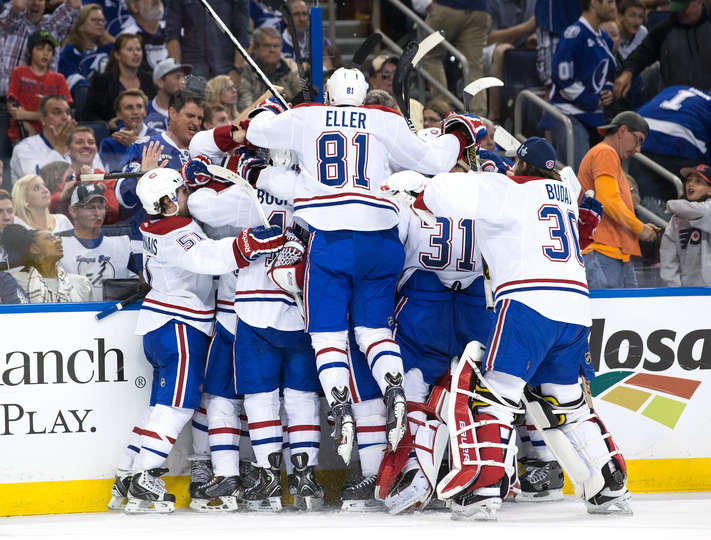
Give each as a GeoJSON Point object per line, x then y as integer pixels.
{"type": "Point", "coordinates": [581, 443]}
{"type": "Point", "coordinates": [480, 422]}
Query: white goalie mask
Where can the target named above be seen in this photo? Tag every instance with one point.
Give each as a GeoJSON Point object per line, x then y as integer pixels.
{"type": "Point", "coordinates": [347, 86]}
{"type": "Point", "coordinates": [156, 184]}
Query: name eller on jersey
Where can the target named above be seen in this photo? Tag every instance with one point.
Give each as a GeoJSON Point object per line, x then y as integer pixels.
{"type": "Point", "coordinates": [350, 119]}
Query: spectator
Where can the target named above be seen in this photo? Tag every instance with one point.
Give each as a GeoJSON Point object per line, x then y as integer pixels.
{"type": "Point", "coordinates": [169, 77]}
{"type": "Point", "coordinates": [331, 60]}
{"type": "Point", "coordinates": [300, 13]}
{"type": "Point", "coordinates": [583, 71]}
{"type": "Point", "coordinates": [681, 44]}
{"type": "Point", "coordinates": [10, 290]}
{"type": "Point", "coordinates": [434, 112]}
{"type": "Point", "coordinates": [55, 173]}
{"type": "Point", "coordinates": [7, 216]}
{"type": "Point", "coordinates": [86, 51]}
{"type": "Point", "coordinates": [266, 51]}
{"type": "Point", "coordinates": [32, 153]}
{"type": "Point", "coordinates": [194, 39]}
{"type": "Point", "coordinates": [607, 258]}
{"type": "Point", "coordinates": [30, 83]}
{"type": "Point", "coordinates": [146, 21]}
{"type": "Point", "coordinates": [215, 116]}
{"type": "Point", "coordinates": [679, 119]}
{"type": "Point", "coordinates": [42, 279]}
{"type": "Point", "coordinates": [380, 97]}
{"type": "Point", "coordinates": [513, 26]}
{"type": "Point", "coordinates": [630, 16]}
{"type": "Point", "coordinates": [381, 72]}
{"type": "Point", "coordinates": [30, 199]}
{"type": "Point", "coordinates": [466, 24]}
{"type": "Point", "coordinates": [130, 109]}
{"type": "Point", "coordinates": [221, 90]}
{"type": "Point", "coordinates": [552, 18]}
{"type": "Point", "coordinates": [263, 15]}
{"type": "Point", "coordinates": [122, 73]}
{"type": "Point", "coordinates": [613, 30]}
{"type": "Point", "coordinates": [685, 253]}
{"type": "Point", "coordinates": [86, 250]}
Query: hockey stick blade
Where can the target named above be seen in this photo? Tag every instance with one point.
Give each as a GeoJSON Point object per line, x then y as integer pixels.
{"type": "Point", "coordinates": [426, 45]}
{"type": "Point", "coordinates": [506, 141]}
{"type": "Point", "coordinates": [474, 87]}
{"type": "Point", "coordinates": [366, 49]}
{"type": "Point", "coordinates": [400, 80]}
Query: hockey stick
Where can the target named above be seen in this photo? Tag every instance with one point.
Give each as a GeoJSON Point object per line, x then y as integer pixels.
{"type": "Point", "coordinates": [283, 7]}
{"type": "Point", "coordinates": [426, 45]}
{"type": "Point", "coordinates": [240, 182]}
{"type": "Point", "coordinates": [400, 80]}
{"type": "Point", "coordinates": [244, 53]}
{"type": "Point", "coordinates": [506, 141]}
{"type": "Point", "coordinates": [366, 49]}
{"type": "Point", "coordinates": [118, 306]}
{"type": "Point", "coordinates": [474, 87]}
{"type": "Point", "coordinates": [95, 177]}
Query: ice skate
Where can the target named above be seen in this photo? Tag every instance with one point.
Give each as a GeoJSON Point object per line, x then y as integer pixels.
{"type": "Point", "coordinates": [614, 497]}
{"type": "Point", "coordinates": [541, 481]}
{"type": "Point", "coordinates": [479, 504]}
{"type": "Point", "coordinates": [265, 494]}
{"type": "Point", "coordinates": [147, 493]}
{"type": "Point", "coordinates": [344, 425]}
{"type": "Point", "coordinates": [200, 472]}
{"type": "Point", "coordinates": [358, 495]}
{"type": "Point", "coordinates": [220, 494]}
{"type": "Point", "coordinates": [119, 491]}
{"type": "Point", "coordinates": [396, 410]}
{"type": "Point", "coordinates": [412, 492]}
{"type": "Point", "coordinates": [308, 493]}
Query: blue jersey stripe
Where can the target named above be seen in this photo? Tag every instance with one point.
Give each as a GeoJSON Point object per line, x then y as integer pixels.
{"type": "Point", "coordinates": [218, 447]}
{"type": "Point", "coordinates": [201, 427]}
{"type": "Point", "coordinates": [161, 454]}
{"type": "Point", "coordinates": [180, 315]}
{"type": "Point", "coordinates": [384, 353]}
{"type": "Point", "coordinates": [306, 444]}
{"type": "Point", "coordinates": [267, 440]}
{"type": "Point", "coordinates": [341, 203]}
{"type": "Point", "coordinates": [262, 299]}
{"type": "Point", "coordinates": [540, 288]}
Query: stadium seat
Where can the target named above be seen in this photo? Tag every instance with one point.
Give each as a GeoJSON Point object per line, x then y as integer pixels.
{"type": "Point", "coordinates": [519, 74]}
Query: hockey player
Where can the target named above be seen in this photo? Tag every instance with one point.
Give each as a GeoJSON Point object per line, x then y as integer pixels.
{"type": "Point", "coordinates": [176, 319]}
{"type": "Point", "coordinates": [347, 150]}
{"type": "Point", "coordinates": [527, 229]}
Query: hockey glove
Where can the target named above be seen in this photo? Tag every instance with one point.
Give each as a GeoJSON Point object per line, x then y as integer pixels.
{"type": "Point", "coordinates": [271, 104]}
{"type": "Point", "coordinates": [468, 125]}
{"type": "Point", "coordinates": [251, 243]}
{"type": "Point", "coordinates": [195, 172]}
{"type": "Point", "coordinates": [589, 216]}
{"type": "Point", "coordinates": [287, 270]}
{"type": "Point", "coordinates": [249, 165]}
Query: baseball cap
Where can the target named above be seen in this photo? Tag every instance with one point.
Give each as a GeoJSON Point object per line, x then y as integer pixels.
{"type": "Point", "coordinates": [41, 36]}
{"type": "Point", "coordinates": [85, 193]}
{"type": "Point", "coordinates": [538, 152]}
{"type": "Point", "coordinates": [169, 65]}
{"type": "Point", "coordinates": [678, 5]}
{"type": "Point", "coordinates": [379, 61]}
{"type": "Point", "coordinates": [631, 119]}
{"type": "Point", "coordinates": [704, 171]}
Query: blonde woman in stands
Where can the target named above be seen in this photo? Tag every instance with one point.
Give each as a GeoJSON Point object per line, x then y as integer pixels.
{"type": "Point", "coordinates": [221, 90]}
{"type": "Point", "coordinates": [31, 198]}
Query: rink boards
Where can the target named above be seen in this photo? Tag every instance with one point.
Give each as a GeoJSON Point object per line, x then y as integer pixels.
{"type": "Point", "coordinates": [72, 387]}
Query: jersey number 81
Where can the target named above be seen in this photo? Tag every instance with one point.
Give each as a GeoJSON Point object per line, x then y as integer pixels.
{"type": "Point", "coordinates": [332, 153]}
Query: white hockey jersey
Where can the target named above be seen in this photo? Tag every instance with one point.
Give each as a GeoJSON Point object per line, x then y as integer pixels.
{"type": "Point", "coordinates": [225, 303]}
{"type": "Point", "coordinates": [346, 153]}
{"type": "Point", "coordinates": [178, 263]}
{"type": "Point", "coordinates": [257, 300]}
{"type": "Point", "coordinates": [448, 249]}
{"type": "Point", "coordinates": [106, 257]}
{"type": "Point", "coordinates": [527, 231]}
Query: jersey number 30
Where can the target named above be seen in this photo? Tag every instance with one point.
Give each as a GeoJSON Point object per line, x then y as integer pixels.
{"type": "Point", "coordinates": [563, 231]}
{"type": "Point", "coordinates": [333, 154]}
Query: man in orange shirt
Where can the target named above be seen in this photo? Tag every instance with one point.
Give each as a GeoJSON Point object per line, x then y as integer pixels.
{"type": "Point", "coordinates": [607, 258]}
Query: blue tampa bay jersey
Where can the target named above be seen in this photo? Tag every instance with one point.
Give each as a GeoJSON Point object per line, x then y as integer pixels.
{"type": "Point", "coordinates": [583, 66]}
{"type": "Point", "coordinates": [679, 119]}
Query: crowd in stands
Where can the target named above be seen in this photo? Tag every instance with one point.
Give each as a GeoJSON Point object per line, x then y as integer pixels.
{"type": "Point", "coordinates": [107, 86]}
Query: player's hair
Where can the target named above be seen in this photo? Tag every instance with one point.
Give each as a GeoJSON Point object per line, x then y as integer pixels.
{"type": "Point", "coordinates": [264, 32]}
{"type": "Point", "coordinates": [4, 195]}
{"type": "Point", "coordinates": [75, 38]}
{"type": "Point", "coordinates": [134, 92]}
{"type": "Point", "coordinates": [112, 66]}
{"type": "Point", "coordinates": [380, 97]}
{"type": "Point", "coordinates": [526, 169]}
{"type": "Point", "coordinates": [624, 5]}
{"type": "Point", "coordinates": [42, 108]}
{"type": "Point", "coordinates": [80, 129]}
{"type": "Point", "coordinates": [53, 173]}
{"type": "Point", "coordinates": [181, 98]}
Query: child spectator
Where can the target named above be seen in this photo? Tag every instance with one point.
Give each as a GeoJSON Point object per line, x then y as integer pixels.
{"type": "Point", "coordinates": [30, 199]}
{"type": "Point", "coordinates": [221, 90]}
{"type": "Point", "coordinates": [30, 83]}
{"type": "Point", "coordinates": [215, 116]}
{"type": "Point", "coordinates": [122, 73]}
{"type": "Point", "coordinates": [685, 253]}
{"type": "Point", "coordinates": [86, 51]}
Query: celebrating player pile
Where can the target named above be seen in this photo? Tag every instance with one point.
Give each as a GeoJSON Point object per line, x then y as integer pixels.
{"type": "Point", "coordinates": [362, 240]}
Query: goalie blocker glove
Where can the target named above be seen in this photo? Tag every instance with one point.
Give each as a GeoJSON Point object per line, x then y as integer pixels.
{"type": "Point", "coordinates": [251, 243]}
{"type": "Point", "coordinates": [195, 172]}
{"type": "Point", "coordinates": [589, 216]}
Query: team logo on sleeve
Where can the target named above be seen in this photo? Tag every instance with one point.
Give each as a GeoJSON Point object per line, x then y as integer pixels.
{"type": "Point", "coordinates": [571, 32]}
